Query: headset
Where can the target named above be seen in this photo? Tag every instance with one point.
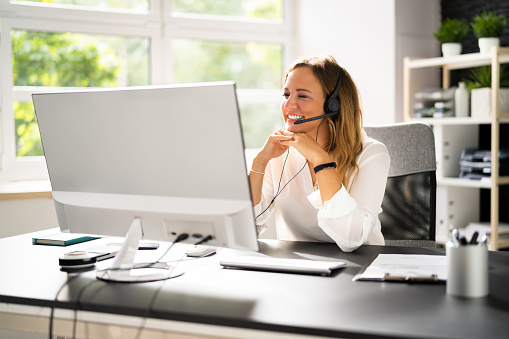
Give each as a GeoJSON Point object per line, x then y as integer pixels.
{"type": "Point", "coordinates": [331, 104]}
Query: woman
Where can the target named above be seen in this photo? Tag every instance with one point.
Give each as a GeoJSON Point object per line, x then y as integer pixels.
{"type": "Point", "coordinates": [337, 173]}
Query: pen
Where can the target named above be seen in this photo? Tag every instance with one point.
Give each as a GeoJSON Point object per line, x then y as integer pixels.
{"type": "Point", "coordinates": [403, 278]}
{"type": "Point", "coordinates": [484, 240]}
{"type": "Point", "coordinates": [455, 237]}
{"type": "Point", "coordinates": [473, 240]}
{"type": "Point", "coordinates": [463, 241]}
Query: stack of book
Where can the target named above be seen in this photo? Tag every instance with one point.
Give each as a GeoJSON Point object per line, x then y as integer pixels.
{"type": "Point", "coordinates": [434, 103]}
{"type": "Point", "coordinates": [476, 163]}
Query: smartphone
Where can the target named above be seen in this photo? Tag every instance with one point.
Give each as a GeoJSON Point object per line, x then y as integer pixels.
{"type": "Point", "coordinates": [148, 246]}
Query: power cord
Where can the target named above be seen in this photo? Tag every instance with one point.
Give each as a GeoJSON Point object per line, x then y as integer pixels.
{"type": "Point", "coordinates": [180, 237]}
{"type": "Point", "coordinates": [205, 239]}
{"type": "Point", "coordinates": [148, 311]}
{"type": "Point", "coordinates": [55, 301]}
{"type": "Point", "coordinates": [78, 307]}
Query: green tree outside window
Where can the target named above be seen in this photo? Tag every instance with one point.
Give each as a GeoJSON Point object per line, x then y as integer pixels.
{"type": "Point", "coordinates": [70, 60]}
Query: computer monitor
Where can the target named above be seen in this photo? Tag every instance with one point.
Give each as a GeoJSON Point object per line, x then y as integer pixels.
{"type": "Point", "coordinates": [149, 162]}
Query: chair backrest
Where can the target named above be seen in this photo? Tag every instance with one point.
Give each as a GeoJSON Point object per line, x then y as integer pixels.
{"type": "Point", "coordinates": [409, 205]}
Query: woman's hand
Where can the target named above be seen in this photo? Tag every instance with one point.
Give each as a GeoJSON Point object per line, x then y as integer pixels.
{"type": "Point", "coordinates": [273, 147]}
{"type": "Point", "coordinates": [328, 179]}
{"type": "Point", "coordinates": [308, 148]}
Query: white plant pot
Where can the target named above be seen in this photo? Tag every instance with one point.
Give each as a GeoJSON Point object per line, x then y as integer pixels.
{"type": "Point", "coordinates": [480, 103]}
{"type": "Point", "coordinates": [451, 49]}
{"type": "Point", "coordinates": [485, 44]}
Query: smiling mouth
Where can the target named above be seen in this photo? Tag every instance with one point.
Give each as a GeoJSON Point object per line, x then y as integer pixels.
{"type": "Point", "coordinates": [295, 117]}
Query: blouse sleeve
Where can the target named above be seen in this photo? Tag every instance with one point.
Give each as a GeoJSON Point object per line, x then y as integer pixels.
{"type": "Point", "coordinates": [262, 210]}
{"type": "Point", "coordinates": [350, 216]}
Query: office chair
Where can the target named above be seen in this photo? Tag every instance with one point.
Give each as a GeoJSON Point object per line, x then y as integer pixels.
{"type": "Point", "coordinates": [409, 204]}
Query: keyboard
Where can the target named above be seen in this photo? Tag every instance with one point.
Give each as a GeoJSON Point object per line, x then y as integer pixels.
{"type": "Point", "coordinates": [261, 263]}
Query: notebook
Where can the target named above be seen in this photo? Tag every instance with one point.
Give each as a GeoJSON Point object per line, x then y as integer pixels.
{"type": "Point", "coordinates": [63, 239]}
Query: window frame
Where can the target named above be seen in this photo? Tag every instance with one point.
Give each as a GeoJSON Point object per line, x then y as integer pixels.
{"type": "Point", "coordinates": [159, 25]}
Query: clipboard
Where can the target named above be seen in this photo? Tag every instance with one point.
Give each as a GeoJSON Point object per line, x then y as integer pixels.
{"type": "Point", "coordinates": [408, 268]}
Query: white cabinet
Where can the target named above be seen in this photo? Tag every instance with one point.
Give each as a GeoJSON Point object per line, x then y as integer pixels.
{"type": "Point", "coordinates": [458, 200]}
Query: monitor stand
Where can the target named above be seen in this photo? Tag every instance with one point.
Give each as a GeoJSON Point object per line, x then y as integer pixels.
{"type": "Point", "coordinates": [123, 268]}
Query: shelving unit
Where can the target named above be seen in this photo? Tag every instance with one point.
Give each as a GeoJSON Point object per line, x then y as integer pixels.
{"type": "Point", "coordinates": [457, 203]}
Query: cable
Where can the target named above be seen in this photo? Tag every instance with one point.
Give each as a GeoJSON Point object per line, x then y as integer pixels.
{"type": "Point", "coordinates": [207, 238]}
{"type": "Point", "coordinates": [52, 312]}
{"type": "Point", "coordinates": [278, 192]}
{"type": "Point", "coordinates": [78, 306]}
{"type": "Point", "coordinates": [181, 237]}
{"type": "Point", "coordinates": [149, 309]}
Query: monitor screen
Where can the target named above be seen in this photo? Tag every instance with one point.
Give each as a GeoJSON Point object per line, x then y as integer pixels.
{"type": "Point", "coordinates": [170, 156]}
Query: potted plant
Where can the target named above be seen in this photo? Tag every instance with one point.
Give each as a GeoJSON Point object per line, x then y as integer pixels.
{"type": "Point", "coordinates": [451, 34]}
{"type": "Point", "coordinates": [480, 86]}
{"type": "Point", "coordinates": [488, 28]}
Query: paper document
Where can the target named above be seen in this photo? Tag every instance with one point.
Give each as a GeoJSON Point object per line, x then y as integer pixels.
{"type": "Point", "coordinates": [406, 267]}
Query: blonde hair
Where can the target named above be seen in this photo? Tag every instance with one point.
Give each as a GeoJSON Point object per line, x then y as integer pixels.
{"type": "Point", "coordinates": [345, 142]}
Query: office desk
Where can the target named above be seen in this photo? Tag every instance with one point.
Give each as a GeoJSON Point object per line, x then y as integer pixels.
{"type": "Point", "coordinates": [209, 301]}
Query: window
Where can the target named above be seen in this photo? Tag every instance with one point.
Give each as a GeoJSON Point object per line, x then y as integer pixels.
{"type": "Point", "coordinates": [70, 60]}
{"type": "Point", "coordinates": [140, 6]}
{"type": "Point", "coordinates": [59, 45]}
{"type": "Point", "coordinates": [247, 9]}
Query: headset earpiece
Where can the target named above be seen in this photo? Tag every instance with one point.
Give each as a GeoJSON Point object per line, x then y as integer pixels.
{"type": "Point", "coordinates": [331, 105]}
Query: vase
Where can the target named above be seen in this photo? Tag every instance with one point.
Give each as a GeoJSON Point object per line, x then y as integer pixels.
{"type": "Point", "coordinates": [462, 101]}
{"type": "Point", "coordinates": [480, 101]}
{"type": "Point", "coordinates": [451, 49]}
{"type": "Point", "coordinates": [485, 44]}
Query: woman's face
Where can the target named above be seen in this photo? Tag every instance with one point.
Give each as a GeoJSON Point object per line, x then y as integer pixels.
{"type": "Point", "coordinates": [303, 99]}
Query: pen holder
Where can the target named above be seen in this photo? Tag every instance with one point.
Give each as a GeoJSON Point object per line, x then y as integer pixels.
{"type": "Point", "coordinates": [467, 270]}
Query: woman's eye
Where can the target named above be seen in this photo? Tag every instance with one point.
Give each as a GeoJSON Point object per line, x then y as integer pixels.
{"type": "Point", "coordinates": [302, 96]}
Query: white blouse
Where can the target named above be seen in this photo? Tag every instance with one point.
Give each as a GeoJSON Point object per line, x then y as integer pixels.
{"type": "Point", "coordinates": [349, 218]}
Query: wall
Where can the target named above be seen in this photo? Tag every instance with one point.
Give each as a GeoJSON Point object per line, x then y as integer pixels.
{"type": "Point", "coordinates": [20, 216]}
{"type": "Point", "coordinates": [416, 20]}
{"type": "Point", "coordinates": [370, 38]}
{"type": "Point", "coordinates": [460, 9]}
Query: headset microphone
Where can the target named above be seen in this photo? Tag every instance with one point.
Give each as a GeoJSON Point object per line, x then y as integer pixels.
{"type": "Point", "coordinates": [314, 118]}
{"type": "Point", "coordinates": [331, 104]}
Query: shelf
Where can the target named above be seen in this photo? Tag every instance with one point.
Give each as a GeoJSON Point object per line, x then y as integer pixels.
{"type": "Point", "coordinates": [503, 180]}
{"type": "Point", "coordinates": [454, 121]}
{"type": "Point", "coordinates": [460, 61]}
{"type": "Point", "coordinates": [452, 135]}
{"type": "Point", "coordinates": [503, 243]}
{"type": "Point", "coordinates": [459, 182]}
{"type": "Point", "coordinates": [504, 118]}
